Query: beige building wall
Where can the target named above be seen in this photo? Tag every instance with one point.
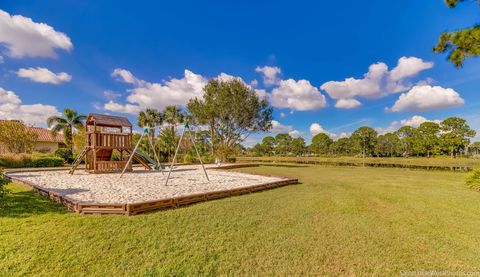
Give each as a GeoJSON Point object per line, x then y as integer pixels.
{"type": "Point", "coordinates": [45, 146]}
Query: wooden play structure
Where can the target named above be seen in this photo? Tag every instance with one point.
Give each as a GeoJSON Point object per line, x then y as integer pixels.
{"type": "Point", "coordinates": [104, 135]}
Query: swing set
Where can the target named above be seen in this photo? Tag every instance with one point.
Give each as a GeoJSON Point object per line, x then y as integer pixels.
{"type": "Point", "coordinates": [186, 129]}
{"type": "Point", "coordinates": [105, 134]}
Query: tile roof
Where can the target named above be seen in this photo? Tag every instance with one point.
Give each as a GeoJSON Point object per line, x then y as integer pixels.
{"type": "Point", "coordinates": [45, 135]}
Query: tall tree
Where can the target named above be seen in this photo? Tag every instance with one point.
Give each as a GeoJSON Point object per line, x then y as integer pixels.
{"type": "Point", "coordinates": [364, 139]}
{"type": "Point", "coordinates": [173, 116]}
{"type": "Point", "coordinates": [234, 111]}
{"type": "Point", "coordinates": [68, 123]}
{"type": "Point", "coordinates": [427, 138]}
{"type": "Point", "coordinates": [298, 146]}
{"type": "Point", "coordinates": [460, 44]}
{"type": "Point", "coordinates": [321, 144]}
{"type": "Point", "coordinates": [167, 142]}
{"type": "Point", "coordinates": [203, 113]}
{"type": "Point", "coordinates": [456, 134]}
{"type": "Point", "coordinates": [150, 118]}
{"type": "Point", "coordinates": [268, 145]}
{"type": "Point", "coordinates": [16, 137]}
{"type": "Point", "coordinates": [283, 144]}
{"type": "Point", "coordinates": [475, 148]}
{"type": "Point", "coordinates": [407, 135]}
{"type": "Point", "coordinates": [387, 145]}
{"type": "Point", "coordinates": [341, 146]}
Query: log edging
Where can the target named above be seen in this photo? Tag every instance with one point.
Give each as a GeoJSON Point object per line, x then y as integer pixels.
{"type": "Point", "coordinates": [87, 208]}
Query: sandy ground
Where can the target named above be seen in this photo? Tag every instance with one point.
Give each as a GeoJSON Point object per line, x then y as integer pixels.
{"type": "Point", "coordinates": [139, 186]}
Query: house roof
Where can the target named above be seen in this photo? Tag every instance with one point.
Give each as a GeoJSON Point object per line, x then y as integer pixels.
{"type": "Point", "coordinates": [45, 135]}
{"type": "Point", "coordinates": [108, 120]}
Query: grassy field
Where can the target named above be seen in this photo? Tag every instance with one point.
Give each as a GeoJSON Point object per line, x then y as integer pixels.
{"type": "Point", "coordinates": [421, 161]}
{"type": "Point", "coordinates": [338, 221]}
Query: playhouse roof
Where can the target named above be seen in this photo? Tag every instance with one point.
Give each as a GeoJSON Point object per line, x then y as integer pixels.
{"type": "Point", "coordinates": [108, 120]}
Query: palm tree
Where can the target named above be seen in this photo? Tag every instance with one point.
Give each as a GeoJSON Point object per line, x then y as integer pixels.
{"type": "Point", "coordinates": [150, 118]}
{"type": "Point", "coordinates": [173, 116]}
{"type": "Point", "coordinates": [68, 122]}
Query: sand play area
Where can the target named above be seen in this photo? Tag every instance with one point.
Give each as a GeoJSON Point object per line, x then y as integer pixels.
{"type": "Point", "coordinates": [139, 185]}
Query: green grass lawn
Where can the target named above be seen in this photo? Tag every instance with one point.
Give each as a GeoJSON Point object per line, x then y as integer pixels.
{"type": "Point", "coordinates": [338, 221]}
{"type": "Point", "coordinates": [415, 161]}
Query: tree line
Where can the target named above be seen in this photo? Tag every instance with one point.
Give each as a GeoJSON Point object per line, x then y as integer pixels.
{"type": "Point", "coordinates": [449, 137]}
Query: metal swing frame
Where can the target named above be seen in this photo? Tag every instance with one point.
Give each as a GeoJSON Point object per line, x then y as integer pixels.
{"type": "Point", "coordinates": [186, 129]}
{"type": "Point", "coordinates": [145, 132]}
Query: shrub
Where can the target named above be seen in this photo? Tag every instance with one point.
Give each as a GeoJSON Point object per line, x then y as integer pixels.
{"type": "Point", "coordinates": [473, 179]}
{"type": "Point", "coordinates": [16, 160]}
{"type": "Point", "coordinates": [231, 160]}
{"type": "Point", "coordinates": [207, 159]}
{"type": "Point", "coordinates": [48, 162]}
{"type": "Point", "coordinates": [188, 159]}
{"type": "Point", "coordinates": [64, 153]}
{"type": "Point", "coordinates": [25, 160]}
{"type": "Point", "coordinates": [4, 181]}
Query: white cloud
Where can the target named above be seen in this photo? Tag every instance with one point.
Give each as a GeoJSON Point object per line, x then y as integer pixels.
{"type": "Point", "coordinates": [347, 103]}
{"type": "Point", "coordinates": [416, 120]}
{"type": "Point", "coordinates": [297, 95]}
{"type": "Point", "coordinates": [24, 38]}
{"type": "Point", "coordinates": [111, 95]}
{"type": "Point", "coordinates": [176, 92]}
{"type": "Point", "coordinates": [423, 98]}
{"type": "Point", "coordinates": [413, 121]}
{"type": "Point", "coordinates": [224, 77]}
{"type": "Point", "coordinates": [316, 129]}
{"type": "Point", "coordinates": [43, 75]}
{"type": "Point", "coordinates": [283, 115]}
{"type": "Point", "coordinates": [295, 134]}
{"type": "Point", "coordinates": [270, 74]}
{"type": "Point", "coordinates": [122, 108]}
{"type": "Point", "coordinates": [369, 86]}
{"type": "Point", "coordinates": [11, 108]}
{"type": "Point", "coordinates": [408, 67]}
{"type": "Point", "coordinates": [261, 93]}
{"type": "Point", "coordinates": [126, 76]}
{"type": "Point", "coordinates": [278, 127]}
{"type": "Point", "coordinates": [377, 82]}
{"type": "Point", "coordinates": [158, 95]}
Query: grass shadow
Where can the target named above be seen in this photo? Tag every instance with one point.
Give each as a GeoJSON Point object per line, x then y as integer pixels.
{"type": "Point", "coordinates": [20, 204]}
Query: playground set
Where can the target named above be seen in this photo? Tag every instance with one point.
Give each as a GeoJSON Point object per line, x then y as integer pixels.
{"type": "Point", "coordinates": [105, 134]}
{"type": "Point", "coordinates": [111, 136]}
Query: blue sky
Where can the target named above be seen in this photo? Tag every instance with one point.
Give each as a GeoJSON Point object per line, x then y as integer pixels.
{"type": "Point", "coordinates": [120, 56]}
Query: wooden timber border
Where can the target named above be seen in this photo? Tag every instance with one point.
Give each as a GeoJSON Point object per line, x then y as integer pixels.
{"type": "Point", "coordinates": [161, 204]}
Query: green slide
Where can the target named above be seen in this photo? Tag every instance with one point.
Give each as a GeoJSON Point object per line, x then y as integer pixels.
{"type": "Point", "coordinates": [156, 166]}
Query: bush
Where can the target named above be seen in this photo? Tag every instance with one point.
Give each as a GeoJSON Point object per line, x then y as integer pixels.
{"type": "Point", "coordinates": [207, 159]}
{"type": "Point", "coordinates": [188, 159]}
{"type": "Point", "coordinates": [48, 162]}
{"type": "Point", "coordinates": [65, 154]}
{"type": "Point", "coordinates": [24, 160]}
{"type": "Point", "coordinates": [231, 160]}
{"type": "Point", "coordinates": [473, 179]}
{"type": "Point", "coordinates": [4, 181]}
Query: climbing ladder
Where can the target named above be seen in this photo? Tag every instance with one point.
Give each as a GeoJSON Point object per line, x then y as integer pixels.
{"type": "Point", "coordinates": [78, 160]}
